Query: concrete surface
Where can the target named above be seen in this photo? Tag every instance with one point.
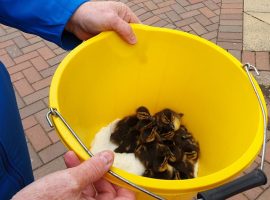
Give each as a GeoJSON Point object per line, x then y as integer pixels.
{"type": "Point", "coordinates": [256, 25]}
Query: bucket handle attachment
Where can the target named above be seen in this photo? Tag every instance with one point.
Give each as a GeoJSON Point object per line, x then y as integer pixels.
{"type": "Point", "coordinates": [253, 179]}
{"type": "Point", "coordinates": [54, 113]}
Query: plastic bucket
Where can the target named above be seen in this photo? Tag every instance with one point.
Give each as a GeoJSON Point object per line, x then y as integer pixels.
{"type": "Point", "coordinates": [105, 78]}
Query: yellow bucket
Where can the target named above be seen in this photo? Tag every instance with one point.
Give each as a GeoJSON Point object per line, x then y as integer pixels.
{"type": "Point", "coordinates": [105, 78]}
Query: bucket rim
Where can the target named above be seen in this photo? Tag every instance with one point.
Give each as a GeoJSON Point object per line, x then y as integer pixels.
{"type": "Point", "coordinates": [156, 185]}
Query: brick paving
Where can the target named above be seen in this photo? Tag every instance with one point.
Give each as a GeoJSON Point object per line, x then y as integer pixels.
{"type": "Point", "coordinates": [31, 62]}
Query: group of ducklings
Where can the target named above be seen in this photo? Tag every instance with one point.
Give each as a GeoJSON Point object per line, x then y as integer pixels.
{"type": "Point", "coordinates": [162, 144]}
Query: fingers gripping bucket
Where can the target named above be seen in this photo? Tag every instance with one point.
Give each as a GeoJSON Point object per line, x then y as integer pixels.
{"type": "Point", "coordinates": [104, 78]}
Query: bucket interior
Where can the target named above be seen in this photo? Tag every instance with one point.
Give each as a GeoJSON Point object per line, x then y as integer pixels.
{"type": "Point", "coordinates": [105, 79]}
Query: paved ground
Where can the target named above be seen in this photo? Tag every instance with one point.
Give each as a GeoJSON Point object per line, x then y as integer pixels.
{"type": "Point", "coordinates": [32, 61]}
{"type": "Point", "coordinates": [257, 25]}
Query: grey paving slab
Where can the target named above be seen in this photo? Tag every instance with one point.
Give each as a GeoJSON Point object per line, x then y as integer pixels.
{"type": "Point", "coordinates": [264, 78]}
{"type": "Point", "coordinates": [257, 5]}
{"type": "Point", "coordinates": [256, 35]}
{"type": "Point", "coordinates": [35, 160]}
{"type": "Point", "coordinates": [53, 166]}
{"type": "Point", "coordinates": [265, 17]}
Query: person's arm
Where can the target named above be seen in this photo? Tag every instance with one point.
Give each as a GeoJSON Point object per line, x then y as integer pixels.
{"type": "Point", "coordinates": [51, 19]}
{"type": "Point", "coordinates": [46, 18]}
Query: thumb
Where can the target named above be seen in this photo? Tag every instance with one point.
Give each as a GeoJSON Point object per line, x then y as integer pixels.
{"type": "Point", "coordinates": [71, 160]}
{"type": "Point", "coordinates": [124, 30]}
{"type": "Point", "coordinates": [93, 169]}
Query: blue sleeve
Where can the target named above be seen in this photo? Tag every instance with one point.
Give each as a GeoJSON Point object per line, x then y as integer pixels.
{"type": "Point", "coordinates": [45, 18]}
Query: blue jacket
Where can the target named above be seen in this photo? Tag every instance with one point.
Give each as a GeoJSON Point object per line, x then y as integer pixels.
{"type": "Point", "coordinates": [46, 18]}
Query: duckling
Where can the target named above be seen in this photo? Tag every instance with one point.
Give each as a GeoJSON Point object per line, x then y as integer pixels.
{"type": "Point", "coordinates": [129, 142]}
{"type": "Point", "coordinates": [190, 152]}
{"type": "Point", "coordinates": [185, 169]}
{"type": "Point", "coordinates": [149, 173]}
{"type": "Point", "coordinates": [160, 164]}
{"type": "Point", "coordinates": [168, 174]}
{"type": "Point", "coordinates": [153, 155]}
{"type": "Point", "coordinates": [145, 120]}
{"type": "Point", "coordinates": [161, 157]}
{"type": "Point", "coordinates": [167, 121]}
{"type": "Point", "coordinates": [177, 175]}
{"type": "Point", "coordinates": [176, 154]}
{"type": "Point", "coordinates": [122, 128]}
{"type": "Point", "coordinates": [148, 134]}
{"type": "Point", "coordinates": [171, 155]}
{"type": "Point", "coordinates": [185, 140]}
{"type": "Point", "coordinates": [145, 154]}
{"type": "Point", "coordinates": [192, 156]}
{"type": "Point", "coordinates": [167, 135]}
{"type": "Point", "coordinates": [143, 113]}
{"type": "Point", "coordinates": [169, 118]}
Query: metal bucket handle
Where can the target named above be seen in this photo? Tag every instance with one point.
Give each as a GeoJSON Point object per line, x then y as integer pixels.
{"type": "Point", "coordinates": [248, 181]}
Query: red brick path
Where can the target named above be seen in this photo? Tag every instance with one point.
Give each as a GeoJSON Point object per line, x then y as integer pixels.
{"type": "Point", "coordinates": [32, 61]}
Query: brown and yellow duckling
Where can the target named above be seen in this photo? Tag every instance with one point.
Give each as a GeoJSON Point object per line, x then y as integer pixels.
{"type": "Point", "coordinates": [144, 118]}
{"type": "Point", "coordinates": [167, 122]}
{"type": "Point", "coordinates": [184, 169]}
{"type": "Point", "coordinates": [168, 119]}
{"type": "Point", "coordinates": [176, 151]}
{"type": "Point", "coordinates": [142, 113]}
{"type": "Point", "coordinates": [122, 128]}
{"type": "Point", "coordinates": [154, 156]}
{"type": "Point", "coordinates": [190, 153]}
{"type": "Point", "coordinates": [148, 134]}
{"type": "Point", "coordinates": [168, 174]}
{"type": "Point", "coordinates": [129, 142]}
{"type": "Point", "coordinates": [188, 144]}
{"type": "Point", "coordinates": [126, 133]}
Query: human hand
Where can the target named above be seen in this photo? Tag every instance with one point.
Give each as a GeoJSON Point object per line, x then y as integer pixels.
{"type": "Point", "coordinates": [81, 181]}
{"type": "Point", "coordinates": [92, 18]}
